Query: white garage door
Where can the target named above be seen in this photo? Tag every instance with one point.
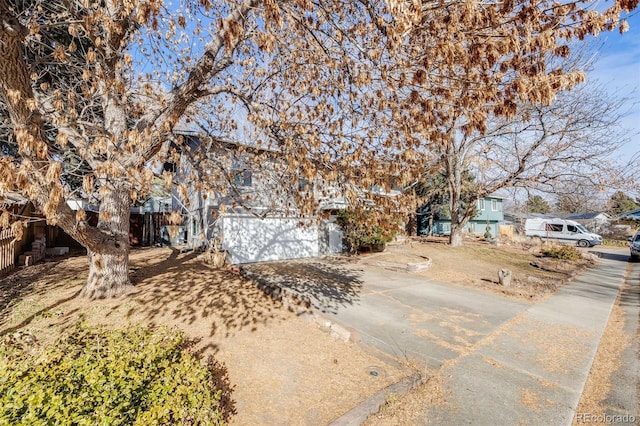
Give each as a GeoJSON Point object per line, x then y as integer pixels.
{"type": "Point", "coordinates": [249, 239]}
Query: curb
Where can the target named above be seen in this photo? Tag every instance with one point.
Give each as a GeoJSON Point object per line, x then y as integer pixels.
{"type": "Point", "coordinates": [371, 405]}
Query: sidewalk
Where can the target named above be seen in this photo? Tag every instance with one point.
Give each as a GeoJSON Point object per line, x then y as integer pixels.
{"type": "Point", "coordinates": [533, 369]}
{"type": "Point", "coordinates": [501, 361]}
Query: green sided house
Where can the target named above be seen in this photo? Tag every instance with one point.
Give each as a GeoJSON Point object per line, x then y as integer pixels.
{"type": "Point", "coordinates": [490, 214]}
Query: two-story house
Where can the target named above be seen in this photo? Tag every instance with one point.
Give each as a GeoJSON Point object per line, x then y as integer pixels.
{"type": "Point", "coordinates": [249, 207]}
{"type": "Point", "coordinates": [490, 213]}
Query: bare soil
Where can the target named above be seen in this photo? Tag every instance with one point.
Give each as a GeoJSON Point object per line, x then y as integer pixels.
{"type": "Point", "coordinates": [476, 264]}
{"type": "Point", "coordinates": [284, 370]}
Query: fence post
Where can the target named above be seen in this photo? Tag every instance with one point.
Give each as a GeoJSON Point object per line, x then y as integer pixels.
{"type": "Point", "coordinates": [7, 251]}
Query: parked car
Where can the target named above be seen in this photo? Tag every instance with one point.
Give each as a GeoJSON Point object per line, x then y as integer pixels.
{"type": "Point", "coordinates": [561, 230]}
{"type": "Point", "coordinates": [635, 247]}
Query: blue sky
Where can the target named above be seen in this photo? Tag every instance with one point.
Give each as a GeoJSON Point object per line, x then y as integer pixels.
{"type": "Point", "coordinates": [617, 67]}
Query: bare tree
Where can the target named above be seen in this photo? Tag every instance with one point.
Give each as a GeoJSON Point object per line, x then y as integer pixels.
{"type": "Point", "coordinates": [578, 195]}
{"type": "Point", "coordinates": [486, 87]}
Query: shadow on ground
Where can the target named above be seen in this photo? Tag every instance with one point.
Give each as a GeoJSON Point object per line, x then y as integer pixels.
{"type": "Point", "coordinates": [611, 256]}
{"type": "Point", "coordinates": [169, 287]}
{"type": "Point", "coordinates": [179, 288]}
{"type": "Point", "coordinates": [630, 294]}
{"type": "Point", "coordinates": [38, 280]}
{"type": "Point", "coordinates": [328, 286]}
{"type": "Point", "coordinates": [173, 288]}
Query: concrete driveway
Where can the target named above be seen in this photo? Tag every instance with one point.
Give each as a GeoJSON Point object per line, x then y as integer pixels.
{"type": "Point", "coordinates": [409, 316]}
{"type": "Point", "coordinates": [504, 361]}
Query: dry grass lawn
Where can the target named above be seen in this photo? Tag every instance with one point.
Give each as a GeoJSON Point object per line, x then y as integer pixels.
{"type": "Point", "coordinates": [476, 264]}
{"type": "Point", "coordinates": [284, 370]}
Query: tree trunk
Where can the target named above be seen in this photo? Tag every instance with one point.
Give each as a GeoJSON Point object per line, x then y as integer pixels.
{"type": "Point", "coordinates": [455, 237]}
{"type": "Point", "coordinates": [109, 268]}
{"type": "Point", "coordinates": [411, 227]}
{"type": "Point", "coordinates": [430, 226]}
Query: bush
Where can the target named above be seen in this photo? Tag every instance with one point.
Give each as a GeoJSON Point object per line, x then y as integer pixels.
{"type": "Point", "coordinates": [615, 243]}
{"type": "Point", "coordinates": [93, 376]}
{"type": "Point", "coordinates": [367, 228]}
{"type": "Point", "coordinates": [563, 252]}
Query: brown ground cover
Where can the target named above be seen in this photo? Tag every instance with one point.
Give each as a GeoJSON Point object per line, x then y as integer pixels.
{"type": "Point", "coordinates": [284, 370]}
{"type": "Point", "coordinates": [476, 264]}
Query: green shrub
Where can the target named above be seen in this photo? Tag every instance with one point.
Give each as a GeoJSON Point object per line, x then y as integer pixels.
{"type": "Point", "coordinates": [564, 252]}
{"type": "Point", "coordinates": [615, 243]}
{"type": "Point", "coordinates": [367, 228]}
{"type": "Point", "coordinates": [134, 376]}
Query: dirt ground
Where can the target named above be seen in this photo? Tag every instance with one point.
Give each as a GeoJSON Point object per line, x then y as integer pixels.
{"type": "Point", "coordinates": [476, 264]}
{"type": "Point", "coordinates": [284, 369]}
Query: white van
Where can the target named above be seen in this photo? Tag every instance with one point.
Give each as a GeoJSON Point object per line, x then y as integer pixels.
{"type": "Point", "coordinates": [561, 230]}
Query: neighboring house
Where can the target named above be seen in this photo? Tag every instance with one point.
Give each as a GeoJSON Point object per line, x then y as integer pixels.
{"type": "Point", "coordinates": [36, 237]}
{"type": "Point", "coordinates": [251, 214]}
{"type": "Point", "coordinates": [490, 215]}
{"type": "Point", "coordinates": [631, 215]}
{"type": "Point", "coordinates": [593, 221]}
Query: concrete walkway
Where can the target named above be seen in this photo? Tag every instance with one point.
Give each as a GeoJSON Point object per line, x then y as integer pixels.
{"type": "Point", "coordinates": [503, 362]}
{"type": "Point", "coordinates": [534, 368]}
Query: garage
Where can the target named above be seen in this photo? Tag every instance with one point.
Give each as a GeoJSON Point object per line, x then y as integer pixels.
{"type": "Point", "coordinates": [249, 239]}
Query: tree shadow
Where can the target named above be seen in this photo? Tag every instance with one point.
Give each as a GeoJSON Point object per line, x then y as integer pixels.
{"type": "Point", "coordinates": [25, 322]}
{"type": "Point", "coordinates": [328, 286]}
{"type": "Point", "coordinates": [169, 287]}
{"type": "Point", "coordinates": [611, 256]}
{"type": "Point", "coordinates": [180, 289]}
{"type": "Point", "coordinates": [630, 294]}
{"type": "Point", "coordinates": [32, 281]}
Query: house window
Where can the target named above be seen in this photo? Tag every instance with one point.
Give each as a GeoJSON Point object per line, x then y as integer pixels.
{"type": "Point", "coordinates": [304, 184]}
{"type": "Point", "coordinates": [242, 178]}
{"type": "Point", "coordinates": [240, 173]}
{"type": "Point", "coordinates": [494, 205]}
{"type": "Point", "coordinates": [481, 205]}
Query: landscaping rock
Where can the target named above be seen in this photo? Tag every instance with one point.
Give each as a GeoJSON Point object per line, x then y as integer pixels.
{"type": "Point", "coordinates": [504, 277]}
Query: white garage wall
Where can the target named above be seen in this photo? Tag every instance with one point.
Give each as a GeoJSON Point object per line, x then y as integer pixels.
{"type": "Point", "coordinates": [249, 239]}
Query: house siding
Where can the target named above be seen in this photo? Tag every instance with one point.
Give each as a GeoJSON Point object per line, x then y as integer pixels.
{"type": "Point", "coordinates": [252, 223]}
{"type": "Point", "coordinates": [490, 214]}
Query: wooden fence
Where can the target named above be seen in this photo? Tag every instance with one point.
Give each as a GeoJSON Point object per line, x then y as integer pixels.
{"type": "Point", "coordinates": [145, 229]}
{"type": "Point", "coordinates": [7, 251]}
